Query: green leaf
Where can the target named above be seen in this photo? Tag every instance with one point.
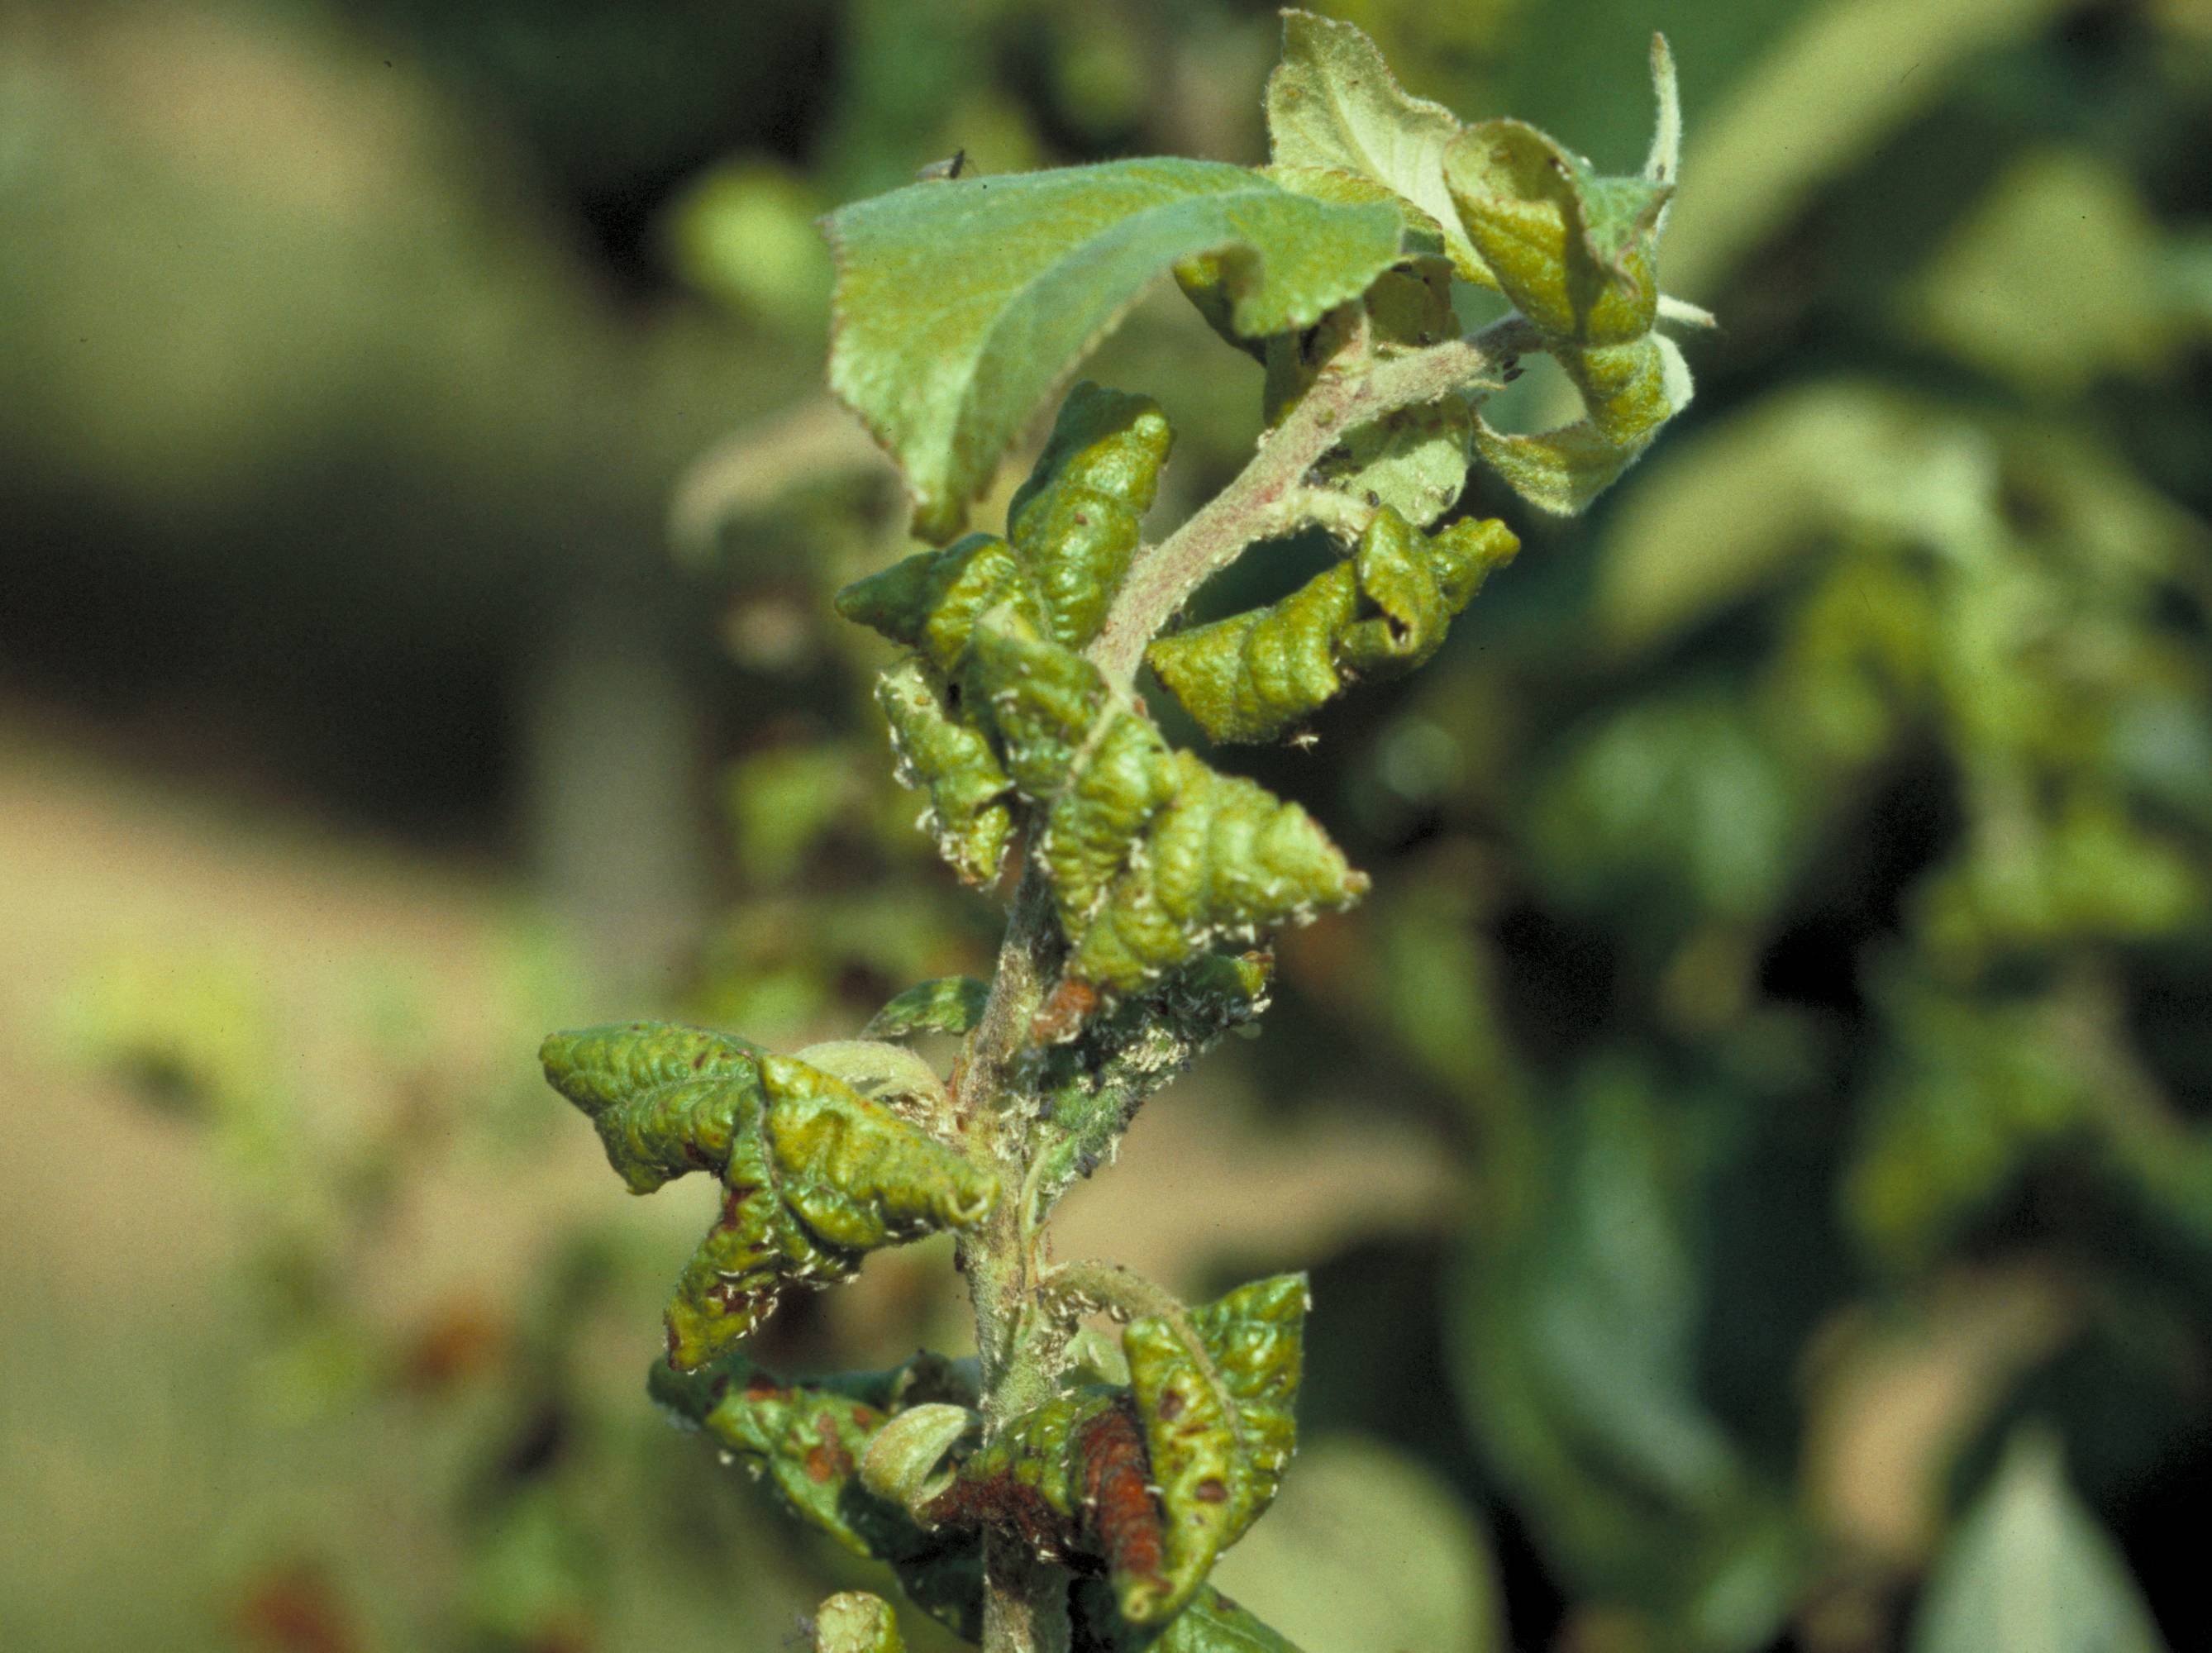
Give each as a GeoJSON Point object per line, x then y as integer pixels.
{"type": "Point", "coordinates": [959, 306]}
{"type": "Point", "coordinates": [1075, 521]}
{"type": "Point", "coordinates": [952, 1004]}
{"type": "Point", "coordinates": [931, 600]}
{"type": "Point", "coordinates": [853, 1621]}
{"type": "Point", "coordinates": [1219, 1427]}
{"type": "Point", "coordinates": [814, 1174]}
{"type": "Point", "coordinates": [1334, 107]}
{"type": "Point", "coordinates": [1577, 255]}
{"type": "Point", "coordinates": [2030, 1571]}
{"type": "Point", "coordinates": [967, 815]}
{"type": "Point", "coordinates": [1212, 1623]}
{"type": "Point", "coordinates": [1382, 611]}
{"type": "Point", "coordinates": [905, 1462]}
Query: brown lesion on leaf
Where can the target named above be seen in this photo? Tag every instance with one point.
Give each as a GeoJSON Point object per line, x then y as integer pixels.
{"type": "Point", "coordinates": [1122, 1522]}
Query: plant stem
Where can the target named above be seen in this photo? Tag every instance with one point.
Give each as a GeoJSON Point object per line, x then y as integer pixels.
{"type": "Point", "coordinates": [1267, 498]}
{"type": "Point", "coordinates": [1024, 1600]}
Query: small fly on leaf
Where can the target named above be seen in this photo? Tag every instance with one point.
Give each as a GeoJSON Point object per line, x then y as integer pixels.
{"type": "Point", "coordinates": [951, 167]}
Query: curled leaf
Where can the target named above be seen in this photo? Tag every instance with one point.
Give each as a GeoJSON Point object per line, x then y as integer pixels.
{"type": "Point", "coordinates": [853, 1621]}
{"type": "Point", "coordinates": [930, 601]}
{"type": "Point", "coordinates": [1119, 782]}
{"type": "Point", "coordinates": [1573, 250]}
{"type": "Point", "coordinates": [814, 1174]}
{"type": "Point", "coordinates": [905, 1462]}
{"type": "Point", "coordinates": [1577, 255]}
{"type": "Point", "coordinates": [1218, 1425]}
{"type": "Point", "coordinates": [1383, 610]}
{"type": "Point", "coordinates": [810, 1439]}
{"type": "Point", "coordinates": [1075, 521]}
{"type": "Point", "coordinates": [1562, 470]}
{"type": "Point", "coordinates": [951, 1004]}
{"type": "Point", "coordinates": [1224, 857]}
{"type": "Point", "coordinates": [1040, 700]}
{"type": "Point", "coordinates": [967, 813]}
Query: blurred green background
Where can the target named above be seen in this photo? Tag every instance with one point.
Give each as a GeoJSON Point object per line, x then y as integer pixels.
{"type": "Point", "coordinates": [1752, 1150]}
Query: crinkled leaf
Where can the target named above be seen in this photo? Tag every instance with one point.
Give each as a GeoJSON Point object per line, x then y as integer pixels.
{"type": "Point", "coordinates": [1334, 105]}
{"type": "Point", "coordinates": [1075, 521]}
{"type": "Point", "coordinates": [1220, 1428]}
{"type": "Point", "coordinates": [1224, 857]}
{"type": "Point", "coordinates": [1381, 611]}
{"type": "Point", "coordinates": [952, 1004]}
{"type": "Point", "coordinates": [930, 601]}
{"type": "Point", "coordinates": [967, 815]}
{"type": "Point", "coordinates": [1039, 700]}
{"type": "Point", "coordinates": [1212, 1623]}
{"type": "Point", "coordinates": [814, 1174]}
{"type": "Point", "coordinates": [1573, 250]}
{"type": "Point", "coordinates": [853, 1621]}
{"type": "Point", "coordinates": [2031, 1571]}
{"type": "Point", "coordinates": [960, 305]}
{"type": "Point", "coordinates": [1153, 855]}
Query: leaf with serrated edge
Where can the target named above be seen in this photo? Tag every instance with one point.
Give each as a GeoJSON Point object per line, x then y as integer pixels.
{"type": "Point", "coordinates": [1333, 104]}
{"type": "Point", "coordinates": [960, 306]}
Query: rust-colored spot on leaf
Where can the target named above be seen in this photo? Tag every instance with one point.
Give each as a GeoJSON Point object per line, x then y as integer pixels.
{"type": "Point", "coordinates": [1170, 1405]}
{"type": "Point", "coordinates": [1212, 1489]}
{"type": "Point", "coordinates": [821, 1464]}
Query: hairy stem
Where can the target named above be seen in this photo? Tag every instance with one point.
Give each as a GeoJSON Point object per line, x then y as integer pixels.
{"type": "Point", "coordinates": [1269, 495]}
{"type": "Point", "coordinates": [1024, 1603]}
